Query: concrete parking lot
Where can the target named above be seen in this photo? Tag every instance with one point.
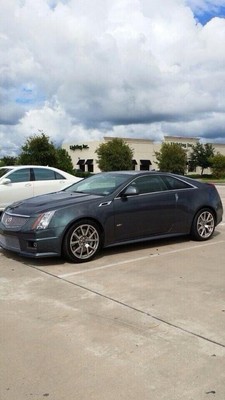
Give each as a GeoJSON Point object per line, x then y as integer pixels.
{"type": "Point", "coordinates": [139, 322]}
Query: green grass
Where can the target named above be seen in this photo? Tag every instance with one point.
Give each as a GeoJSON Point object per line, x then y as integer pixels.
{"type": "Point", "coordinates": [207, 178]}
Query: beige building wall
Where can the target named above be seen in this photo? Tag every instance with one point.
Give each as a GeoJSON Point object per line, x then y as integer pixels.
{"type": "Point", "coordinates": [84, 157]}
{"type": "Point", "coordinates": [219, 148]}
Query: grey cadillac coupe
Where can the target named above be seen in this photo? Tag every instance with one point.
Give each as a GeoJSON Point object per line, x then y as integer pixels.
{"type": "Point", "coordinates": [108, 209]}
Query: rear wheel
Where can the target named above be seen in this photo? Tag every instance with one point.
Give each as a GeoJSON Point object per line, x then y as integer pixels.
{"type": "Point", "coordinates": [82, 241]}
{"type": "Point", "coordinates": [203, 224]}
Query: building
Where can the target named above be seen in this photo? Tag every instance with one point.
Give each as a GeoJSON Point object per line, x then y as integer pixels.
{"type": "Point", "coordinates": [84, 157]}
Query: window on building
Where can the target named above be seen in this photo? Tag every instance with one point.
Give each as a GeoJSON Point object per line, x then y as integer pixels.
{"type": "Point", "coordinates": [81, 164]}
{"type": "Point", "coordinates": [90, 166]}
{"type": "Point", "coordinates": [145, 165]}
{"type": "Point", "coordinates": [134, 163]}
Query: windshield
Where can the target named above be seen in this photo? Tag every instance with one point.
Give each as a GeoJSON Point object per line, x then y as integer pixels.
{"type": "Point", "coordinates": [4, 171]}
{"type": "Point", "coordinates": [101, 184]}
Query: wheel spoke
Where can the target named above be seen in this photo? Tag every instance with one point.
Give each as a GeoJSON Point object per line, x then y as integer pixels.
{"type": "Point", "coordinates": [84, 241]}
{"type": "Point", "coordinates": [205, 224]}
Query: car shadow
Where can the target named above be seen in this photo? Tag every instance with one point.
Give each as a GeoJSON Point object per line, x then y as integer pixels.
{"type": "Point", "coordinates": [119, 250]}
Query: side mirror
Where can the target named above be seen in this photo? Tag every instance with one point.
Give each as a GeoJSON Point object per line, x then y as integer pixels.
{"type": "Point", "coordinates": [130, 191]}
{"type": "Point", "coordinates": [5, 181]}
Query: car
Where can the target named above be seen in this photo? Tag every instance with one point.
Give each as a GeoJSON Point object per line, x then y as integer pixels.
{"type": "Point", "coordinates": [109, 209]}
{"type": "Point", "coordinates": [21, 182]}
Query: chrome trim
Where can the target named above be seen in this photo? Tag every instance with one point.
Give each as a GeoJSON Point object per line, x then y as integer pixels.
{"type": "Point", "coordinates": [16, 215]}
{"type": "Point", "coordinates": [160, 191]}
{"type": "Point", "coordinates": [106, 203]}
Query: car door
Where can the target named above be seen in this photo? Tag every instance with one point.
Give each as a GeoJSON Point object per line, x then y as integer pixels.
{"type": "Point", "coordinates": [185, 200]}
{"type": "Point", "coordinates": [47, 180]}
{"type": "Point", "coordinates": [150, 212]}
{"type": "Point", "coordinates": [20, 187]}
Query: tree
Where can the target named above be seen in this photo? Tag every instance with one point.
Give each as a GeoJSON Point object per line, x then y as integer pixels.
{"type": "Point", "coordinates": [171, 158]}
{"type": "Point", "coordinates": [64, 161]}
{"type": "Point", "coordinates": [38, 150]}
{"type": "Point", "coordinates": [201, 156]}
{"type": "Point", "coordinates": [218, 165]}
{"type": "Point", "coordinates": [115, 155]}
{"type": "Point", "coordinates": [8, 160]}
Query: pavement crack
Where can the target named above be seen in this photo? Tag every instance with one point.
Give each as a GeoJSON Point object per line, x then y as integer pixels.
{"type": "Point", "coordinates": [121, 303]}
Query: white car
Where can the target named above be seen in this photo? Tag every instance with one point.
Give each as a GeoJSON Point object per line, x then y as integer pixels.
{"type": "Point", "coordinates": [21, 182]}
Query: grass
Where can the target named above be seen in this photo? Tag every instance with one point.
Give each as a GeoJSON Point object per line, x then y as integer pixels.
{"type": "Point", "coordinates": [208, 178]}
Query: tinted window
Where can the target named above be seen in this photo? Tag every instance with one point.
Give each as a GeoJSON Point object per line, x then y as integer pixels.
{"type": "Point", "coordinates": [59, 176]}
{"type": "Point", "coordinates": [42, 174]}
{"type": "Point", "coordinates": [4, 171]}
{"type": "Point", "coordinates": [22, 175]}
{"type": "Point", "coordinates": [102, 184]}
{"type": "Point", "coordinates": [149, 184]}
{"type": "Point", "coordinates": [173, 183]}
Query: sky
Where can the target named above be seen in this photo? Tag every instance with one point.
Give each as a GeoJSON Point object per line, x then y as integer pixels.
{"type": "Point", "coordinates": [79, 70]}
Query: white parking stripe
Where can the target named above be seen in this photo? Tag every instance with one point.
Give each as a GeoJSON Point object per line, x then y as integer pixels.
{"type": "Point", "coordinates": [83, 271]}
{"type": "Point", "coordinates": [103, 267]}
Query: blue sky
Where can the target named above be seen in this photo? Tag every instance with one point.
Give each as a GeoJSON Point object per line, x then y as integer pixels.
{"type": "Point", "coordinates": [79, 70]}
{"type": "Point", "coordinates": [204, 16]}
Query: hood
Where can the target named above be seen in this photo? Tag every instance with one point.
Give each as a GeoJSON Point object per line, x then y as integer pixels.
{"type": "Point", "coordinates": [51, 201]}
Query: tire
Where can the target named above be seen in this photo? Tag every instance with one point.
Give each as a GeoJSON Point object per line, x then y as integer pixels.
{"type": "Point", "coordinates": [203, 225]}
{"type": "Point", "coordinates": [82, 241]}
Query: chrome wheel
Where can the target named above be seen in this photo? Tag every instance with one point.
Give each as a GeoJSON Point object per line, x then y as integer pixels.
{"type": "Point", "coordinates": [82, 241]}
{"type": "Point", "coordinates": [203, 225]}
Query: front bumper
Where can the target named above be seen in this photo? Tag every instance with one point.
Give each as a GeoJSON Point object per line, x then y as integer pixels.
{"type": "Point", "coordinates": [31, 244]}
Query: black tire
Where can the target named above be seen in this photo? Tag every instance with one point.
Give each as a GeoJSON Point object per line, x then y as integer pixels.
{"type": "Point", "coordinates": [82, 241]}
{"type": "Point", "coordinates": [203, 225]}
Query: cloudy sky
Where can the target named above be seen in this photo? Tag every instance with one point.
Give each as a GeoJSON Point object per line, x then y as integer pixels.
{"type": "Point", "coordinates": [79, 70]}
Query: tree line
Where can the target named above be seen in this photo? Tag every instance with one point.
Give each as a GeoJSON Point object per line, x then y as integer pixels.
{"type": "Point", "coordinates": [116, 155]}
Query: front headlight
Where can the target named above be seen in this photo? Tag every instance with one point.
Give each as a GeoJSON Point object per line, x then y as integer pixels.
{"type": "Point", "coordinates": [43, 221]}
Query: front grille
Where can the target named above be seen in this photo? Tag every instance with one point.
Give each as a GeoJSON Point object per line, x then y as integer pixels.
{"type": "Point", "coordinates": [10, 242]}
{"type": "Point", "coordinates": [13, 221]}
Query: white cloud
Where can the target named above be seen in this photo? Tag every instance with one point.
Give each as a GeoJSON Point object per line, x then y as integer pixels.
{"type": "Point", "coordinates": [82, 69]}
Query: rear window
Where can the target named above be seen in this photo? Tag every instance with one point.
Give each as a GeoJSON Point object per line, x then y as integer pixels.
{"type": "Point", "coordinates": [42, 174]}
{"type": "Point", "coordinates": [174, 184]}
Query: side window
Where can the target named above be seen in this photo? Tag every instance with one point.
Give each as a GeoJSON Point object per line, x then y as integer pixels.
{"type": "Point", "coordinates": [42, 174]}
{"type": "Point", "coordinates": [22, 175]}
{"type": "Point", "coordinates": [149, 184]}
{"type": "Point", "coordinates": [59, 176]}
{"type": "Point", "coordinates": [174, 184]}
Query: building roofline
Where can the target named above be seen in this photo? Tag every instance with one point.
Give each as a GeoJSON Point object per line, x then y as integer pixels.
{"type": "Point", "coordinates": [128, 139]}
{"type": "Point", "coordinates": [181, 137]}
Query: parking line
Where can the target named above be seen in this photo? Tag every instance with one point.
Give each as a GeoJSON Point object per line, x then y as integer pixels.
{"type": "Point", "coordinates": [83, 271]}
{"type": "Point", "coordinates": [103, 267]}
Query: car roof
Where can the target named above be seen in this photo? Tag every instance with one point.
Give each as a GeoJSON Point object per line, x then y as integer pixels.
{"type": "Point", "coordinates": [25, 166]}
{"type": "Point", "coordinates": [132, 172]}
{"type": "Point", "coordinates": [16, 167]}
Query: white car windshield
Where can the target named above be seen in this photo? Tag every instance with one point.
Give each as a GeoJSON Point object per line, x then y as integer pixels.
{"type": "Point", "coordinates": [99, 184]}
{"type": "Point", "coordinates": [4, 171]}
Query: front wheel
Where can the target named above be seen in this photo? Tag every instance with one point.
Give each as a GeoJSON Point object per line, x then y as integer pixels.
{"type": "Point", "coordinates": [203, 225]}
{"type": "Point", "coordinates": [82, 241]}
